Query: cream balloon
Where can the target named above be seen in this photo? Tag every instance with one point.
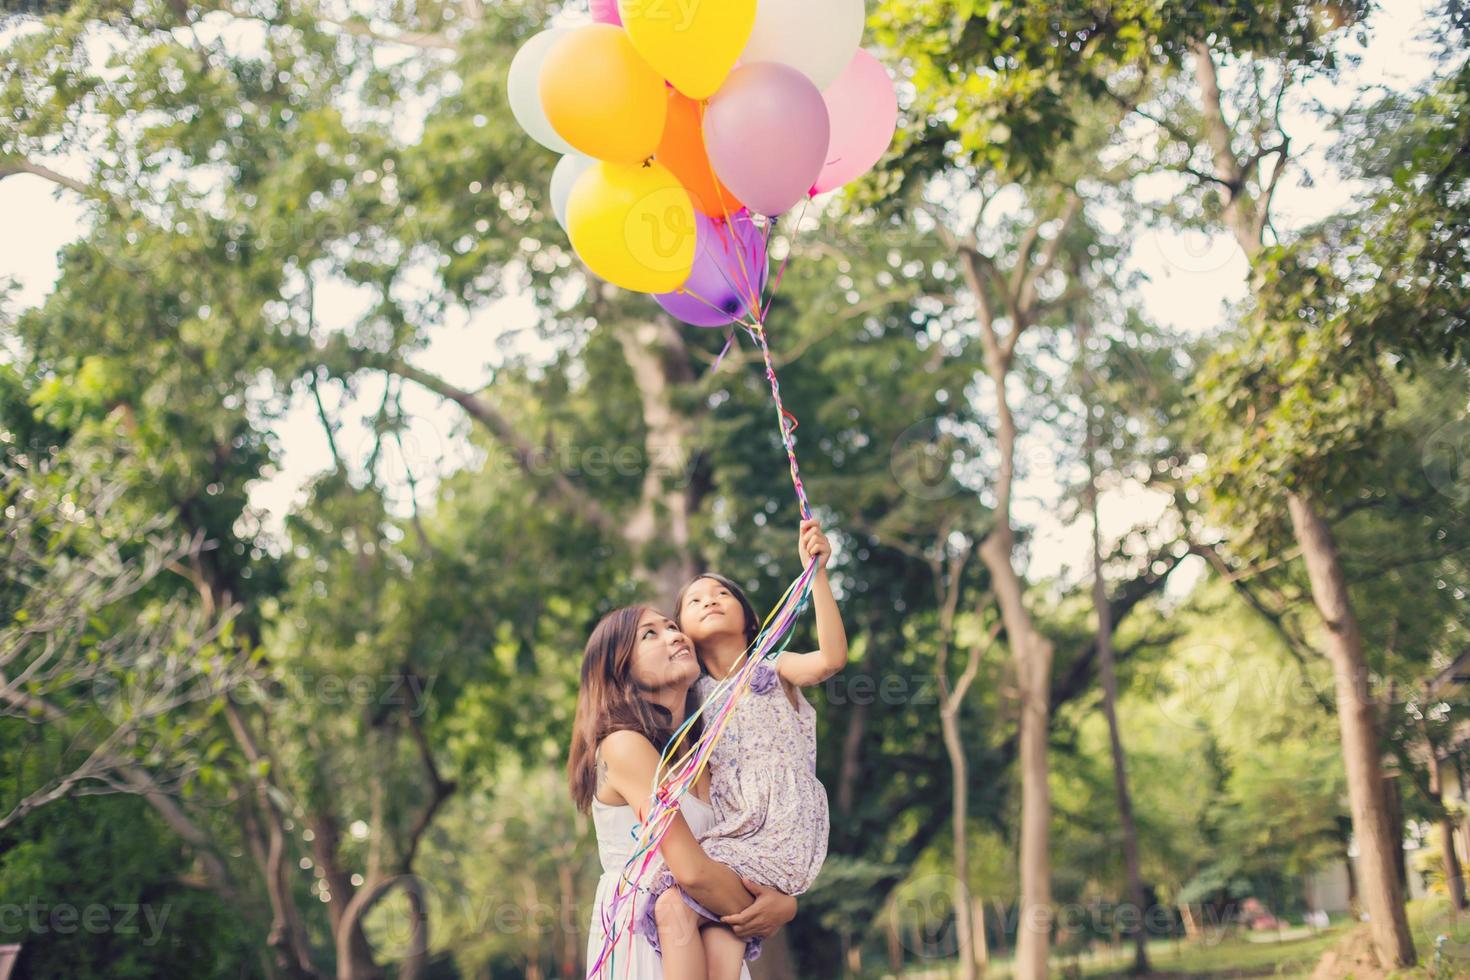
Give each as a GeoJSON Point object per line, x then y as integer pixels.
{"type": "Point", "coordinates": [563, 179]}
{"type": "Point", "coordinates": [816, 37]}
{"type": "Point", "coordinates": [523, 90]}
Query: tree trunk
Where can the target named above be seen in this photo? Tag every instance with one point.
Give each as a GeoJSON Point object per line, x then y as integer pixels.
{"type": "Point", "coordinates": [325, 839]}
{"type": "Point", "coordinates": [959, 816]}
{"type": "Point", "coordinates": [350, 966]}
{"type": "Point", "coordinates": [1393, 809]}
{"type": "Point", "coordinates": [1120, 781]}
{"type": "Point", "coordinates": [1110, 690]}
{"type": "Point", "coordinates": [1453, 878]}
{"type": "Point", "coordinates": [948, 579]}
{"type": "Point", "coordinates": [1192, 930]}
{"type": "Point", "coordinates": [895, 940]}
{"type": "Point", "coordinates": [1378, 839]}
{"type": "Point", "coordinates": [981, 944]}
{"type": "Point", "coordinates": [852, 743]}
{"type": "Point", "coordinates": [1032, 654]}
{"type": "Point", "coordinates": [288, 931]}
{"type": "Point", "coordinates": [776, 961]}
{"type": "Point", "coordinates": [1355, 900]}
{"type": "Point", "coordinates": [1001, 946]}
{"type": "Point", "coordinates": [1450, 861]}
{"type": "Point", "coordinates": [572, 940]}
{"type": "Point", "coordinates": [658, 531]}
{"type": "Point", "coordinates": [415, 963]}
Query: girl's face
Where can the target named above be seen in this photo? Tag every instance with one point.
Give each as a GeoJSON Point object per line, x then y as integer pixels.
{"type": "Point", "coordinates": [710, 610]}
{"type": "Point", "coordinates": [663, 657]}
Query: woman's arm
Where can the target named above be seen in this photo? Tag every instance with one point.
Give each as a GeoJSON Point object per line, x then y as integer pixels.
{"type": "Point", "coordinates": [631, 765]}
{"type": "Point", "coordinates": [807, 669]}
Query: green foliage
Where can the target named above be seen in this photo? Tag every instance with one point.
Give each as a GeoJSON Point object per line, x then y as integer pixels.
{"type": "Point", "coordinates": [1299, 401]}
{"type": "Point", "coordinates": [1002, 85]}
{"type": "Point", "coordinates": [97, 889]}
{"type": "Point", "coordinates": [1293, 404]}
{"type": "Point", "coordinates": [1237, 778]}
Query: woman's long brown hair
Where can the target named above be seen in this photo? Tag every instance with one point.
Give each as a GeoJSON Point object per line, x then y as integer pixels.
{"type": "Point", "coordinates": [609, 701]}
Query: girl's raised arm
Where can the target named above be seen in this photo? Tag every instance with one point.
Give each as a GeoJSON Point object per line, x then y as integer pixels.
{"type": "Point", "coordinates": [631, 764]}
{"type": "Point", "coordinates": [807, 669]}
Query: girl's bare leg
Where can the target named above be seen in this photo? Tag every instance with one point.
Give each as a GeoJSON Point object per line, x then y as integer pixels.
{"type": "Point", "coordinates": [679, 936]}
{"type": "Point", "coordinates": [724, 952]}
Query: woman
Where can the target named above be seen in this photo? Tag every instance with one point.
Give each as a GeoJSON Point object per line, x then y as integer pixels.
{"type": "Point", "coordinates": [638, 672]}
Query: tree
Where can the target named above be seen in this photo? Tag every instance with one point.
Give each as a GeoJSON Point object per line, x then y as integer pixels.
{"type": "Point", "coordinates": [1108, 672]}
{"type": "Point", "coordinates": [1313, 391]}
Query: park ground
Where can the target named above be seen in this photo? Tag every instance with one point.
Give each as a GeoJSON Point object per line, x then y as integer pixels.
{"type": "Point", "coordinates": [1292, 953]}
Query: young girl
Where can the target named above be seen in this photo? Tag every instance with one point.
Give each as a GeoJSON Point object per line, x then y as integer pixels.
{"type": "Point", "coordinates": [771, 818]}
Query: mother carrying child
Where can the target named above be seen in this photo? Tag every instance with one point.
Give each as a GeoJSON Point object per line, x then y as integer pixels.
{"type": "Point", "coordinates": [728, 867]}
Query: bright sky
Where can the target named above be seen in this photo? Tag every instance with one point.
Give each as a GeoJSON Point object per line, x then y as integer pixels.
{"type": "Point", "coordinates": [1191, 280]}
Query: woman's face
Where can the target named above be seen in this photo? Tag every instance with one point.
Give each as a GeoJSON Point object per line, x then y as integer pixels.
{"type": "Point", "coordinates": [663, 657]}
{"type": "Point", "coordinates": [710, 610]}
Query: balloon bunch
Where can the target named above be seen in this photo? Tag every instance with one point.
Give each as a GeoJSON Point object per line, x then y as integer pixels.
{"type": "Point", "coordinates": [688, 126]}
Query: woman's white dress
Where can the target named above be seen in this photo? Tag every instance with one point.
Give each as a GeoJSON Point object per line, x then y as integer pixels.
{"type": "Point", "coordinates": [615, 843]}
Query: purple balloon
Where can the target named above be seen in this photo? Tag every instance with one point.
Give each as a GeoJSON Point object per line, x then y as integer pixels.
{"type": "Point", "coordinates": [606, 12]}
{"type": "Point", "coordinates": [766, 131]}
{"type": "Point", "coordinates": [729, 258]}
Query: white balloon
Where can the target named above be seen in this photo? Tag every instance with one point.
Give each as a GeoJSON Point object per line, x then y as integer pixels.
{"type": "Point", "coordinates": [568, 169]}
{"type": "Point", "coordinates": [523, 89]}
{"type": "Point", "coordinates": [816, 37]}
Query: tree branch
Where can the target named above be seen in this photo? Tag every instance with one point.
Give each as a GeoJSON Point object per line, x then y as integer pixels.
{"type": "Point", "coordinates": [414, 39]}
{"type": "Point", "coordinates": [489, 416]}
{"type": "Point", "coordinates": [346, 357]}
{"type": "Point", "coordinates": [1217, 130]}
{"type": "Point", "coordinates": [1295, 644]}
{"type": "Point", "coordinates": [1024, 249]}
{"type": "Point", "coordinates": [12, 165]}
{"type": "Point", "coordinates": [1025, 300]}
{"type": "Point", "coordinates": [1263, 213]}
{"type": "Point", "coordinates": [972, 665]}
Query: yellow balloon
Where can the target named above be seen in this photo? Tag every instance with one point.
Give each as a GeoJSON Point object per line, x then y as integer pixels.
{"type": "Point", "coordinates": [601, 96]}
{"type": "Point", "coordinates": [633, 225]}
{"type": "Point", "coordinates": [692, 43]}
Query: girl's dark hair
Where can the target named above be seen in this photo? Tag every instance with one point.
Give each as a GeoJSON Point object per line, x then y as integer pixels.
{"type": "Point", "coordinates": [752, 624]}
{"type": "Point", "coordinates": [608, 701]}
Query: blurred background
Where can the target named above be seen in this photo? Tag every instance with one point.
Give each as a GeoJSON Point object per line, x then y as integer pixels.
{"type": "Point", "coordinates": [1132, 391]}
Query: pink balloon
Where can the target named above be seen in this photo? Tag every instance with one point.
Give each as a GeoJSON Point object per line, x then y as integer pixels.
{"type": "Point", "coordinates": [766, 131]}
{"type": "Point", "coordinates": [606, 12]}
{"type": "Point", "coordinates": [864, 111]}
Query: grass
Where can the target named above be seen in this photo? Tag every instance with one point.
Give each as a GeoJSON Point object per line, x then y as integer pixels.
{"type": "Point", "coordinates": [1294, 955]}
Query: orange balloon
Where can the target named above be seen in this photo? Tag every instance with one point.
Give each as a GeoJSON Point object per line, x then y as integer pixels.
{"type": "Point", "coordinates": [601, 96]}
{"type": "Point", "coordinates": [682, 151]}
